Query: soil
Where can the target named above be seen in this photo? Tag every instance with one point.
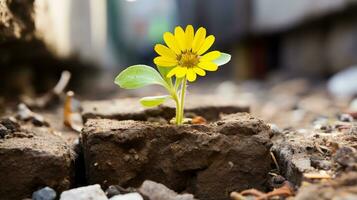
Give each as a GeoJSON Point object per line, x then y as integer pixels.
{"type": "Point", "coordinates": [32, 158]}
{"type": "Point", "coordinates": [313, 141]}
{"type": "Point", "coordinates": [209, 161]}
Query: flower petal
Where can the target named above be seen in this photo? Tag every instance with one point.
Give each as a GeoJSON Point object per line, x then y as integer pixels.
{"type": "Point", "coordinates": [209, 66]}
{"type": "Point", "coordinates": [189, 34]}
{"type": "Point", "coordinates": [165, 51]}
{"type": "Point", "coordinates": [206, 44]}
{"type": "Point", "coordinates": [171, 42]}
{"type": "Point", "coordinates": [178, 71]}
{"type": "Point", "coordinates": [191, 75]}
{"type": "Point", "coordinates": [198, 39]}
{"type": "Point", "coordinates": [165, 61]}
{"type": "Point", "coordinates": [182, 71]}
{"type": "Point", "coordinates": [172, 72]}
{"type": "Point", "coordinates": [210, 56]}
{"type": "Point", "coordinates": [180, 38]}
{"type": "Point", "coordinates": [199, 71]}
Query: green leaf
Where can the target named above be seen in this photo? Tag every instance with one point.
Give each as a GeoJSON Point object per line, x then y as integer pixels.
{"type": "Point", "coordinates": [153, 101]}
{"type": "Point", "coordinates": [164, 70]}
{"type": "Point", "coordinates": [138, 76]}
{"type": "Point", "coordinates": [223, 59]}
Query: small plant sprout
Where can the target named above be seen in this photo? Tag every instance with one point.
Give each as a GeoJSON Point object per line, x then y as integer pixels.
{"type": "Point", "coordinates": [181, 60]}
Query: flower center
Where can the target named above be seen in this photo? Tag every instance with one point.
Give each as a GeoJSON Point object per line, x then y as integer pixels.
{"type": "Point", "coordinates": [188, 59]}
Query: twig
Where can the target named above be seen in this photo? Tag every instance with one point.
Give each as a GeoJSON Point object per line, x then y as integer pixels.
{"type": "Point", "coordinates": [275, 161]}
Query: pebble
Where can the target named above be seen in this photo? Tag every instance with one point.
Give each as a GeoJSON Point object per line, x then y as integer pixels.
{"type": "Point", "coordinates": [275, 129]}
{"type": "Point", "coordinates": [129, 196]}
{"type": "Point", "coordinates": [322, 123]}
{"type": "Point", "coordinates": [157, 191]}
{"type": "Point", "coordinates": [45, 193]}
{"type": "Point", "coordinates": [343, 83]}
{"type": "Point", "coordinates": [3, 131]}
{"type": "Point", "coordinates": [8, 126]}
{"type": "Point", "coordinates": [112, 191]}
{"type": "Point", "coordinates": [346, 118]}
{"type": "Point", "coordinates": [277, 181]}
{"type": "Point", "coordinates": [323, 127]}
{"type": "Point", "coordinates": [346, 156]}
{"type": "Point", "coordinates": [84, 193]}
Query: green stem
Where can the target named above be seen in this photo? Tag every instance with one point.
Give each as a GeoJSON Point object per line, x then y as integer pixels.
{"type": "Point", "coordinates": [174, 96]}
{"type": "Point", "coordinates": [182, 101]}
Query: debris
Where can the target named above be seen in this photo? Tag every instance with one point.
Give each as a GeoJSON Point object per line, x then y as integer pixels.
{"type": "Point", "coordinates": [50, 97]}
{"type": "Point", "coordinates": [275, 161]}
{"type": "Point", "coordinates": [342, 187]}
{"type": "Point", "coordinates": [25, 114]}
{"type": "Point", "coordinates": [71, 112]}
{"type": "Point", "coordinates": [199, 120]}
{"type": "Point", "coordinates": [317, 175]}
{"type": "Point", "coordinates": [346, 118]}
{"type": "Point", "coordinates": [45, 193]}
{"type": "Point", "coordinates": [284, 191]}
{"type": "Point", "coordinates": [84, 193]}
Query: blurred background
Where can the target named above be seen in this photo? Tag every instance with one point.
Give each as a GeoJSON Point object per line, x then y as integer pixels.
{"type": "Point", "coordinates": [271, 41]}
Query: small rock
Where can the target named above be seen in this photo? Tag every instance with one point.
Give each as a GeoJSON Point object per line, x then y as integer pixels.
{"type": "Point", "coordinates": [346, 156]}
{"type": "Point", "coordinates": [3, 131]}
{"type": "Point", "coordinates": [84, 193]}
{"type": "Point", "coordinates": [346, 118]}
{"type": "Point", "coordinates": [275, 129]}
{"type": "Point", "coordinates": [320, 163]}
{"type": "Point", "coordinates": [112, 191]}
{"type": "Point", "coordinates": [8, 126]}
{"type": "Point", "coordinates": [45, 193]}
{"type": "Point", "coordinates": [25, 114]}
{"type": "Point", "coordinates": [129, 196]}
{"type": "Point", "coordinates": [343, 84]}
{"type": "Point", "coordinates": [326, 128]}
{"type": "Point", "coordinates": [157, 191]}
{"type": "Point", "coordinates": [39, 120]}
{"type": "Point", "coordinates": [277, 181]}
{"type": "Point", "coordinates": [322, 124]}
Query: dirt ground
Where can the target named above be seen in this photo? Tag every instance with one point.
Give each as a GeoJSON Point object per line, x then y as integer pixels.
{"type": "Point", "coordinates": [313, 135]}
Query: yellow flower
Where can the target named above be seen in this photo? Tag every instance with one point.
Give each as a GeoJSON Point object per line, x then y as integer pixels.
{"type": "Point", "coordinates": [184, 53]}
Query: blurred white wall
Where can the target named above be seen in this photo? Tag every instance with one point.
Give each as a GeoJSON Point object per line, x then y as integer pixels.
{"type": "Point", "coordinates": [273, 15]}
{"type": "Point", "coordinates": [75, 27]}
